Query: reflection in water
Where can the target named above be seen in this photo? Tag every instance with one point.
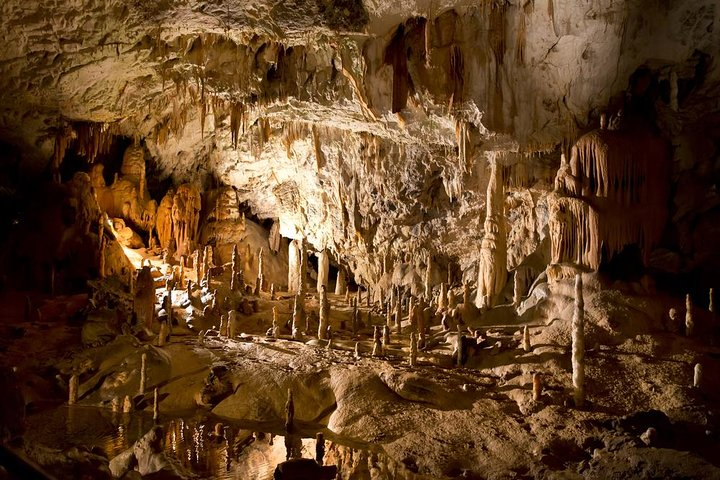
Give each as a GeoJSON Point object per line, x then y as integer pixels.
{"type": "Point", "coordinates": [209, 448]}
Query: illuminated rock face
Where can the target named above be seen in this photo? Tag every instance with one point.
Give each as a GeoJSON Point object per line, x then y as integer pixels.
{"type": "Point", "coordinates": [366, 127]}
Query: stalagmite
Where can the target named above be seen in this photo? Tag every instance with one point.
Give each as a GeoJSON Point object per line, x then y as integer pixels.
{"type": "Point", "coordinates": [697, 378]}
{"type": "Point", "coordinates": [516, 289]}
{"type": "Point", "coordinates": [298, 316]}
{"type": "Point", "coordinates": [537, 387]}
{"type": "Point", "coordinates": [272, 291]}
{"type": "Point", "coordinates": [420, 321]}
{"type": "Point", "coordinates": [163, 335]}
{"type": "Point", "coordinates": [232, 324]}
{"type": "Point", "coordinates": [674, 324]}
{"type": "Point", "coordinates": [127, 405]}
{"type": "Point", "coordinates": [260, 284]}
{"type": "Point", "coordinates": [144, 300]}
{"type": "Point", "coordinates": [578, 344]}
{"type": "Point", "coordinates": [340, 284]}
{"type": "Point", "coordinates": [143, 374]}
{"type": "Point", "coordinates": [323, 269]}
{"type": "Point", "coordinates": [445, 323]}
{"type": "Point", "coordinates": [689, 321]}
{"type": "Point", "coordinates": [526, 339]}
{"type": "Point", "coordinates": [412, 314]}
{"type": "Point", "coordinates": [492, 268]}
{"type": "Point", "coordinates": [451, 300]}
{"type": "Point", "coordinates": [460, 349]}
{"type": "Point", "coordinates": [442, 298]}
{"type": "Point", "coordinates": [428, 279]}
{"type": "Point", "coordinates": [222, 329]}
{"type": "Point", "coordinates": [357, 350]}
{"type": "Point", "coordinates": [398, 317]}
{"type": "Point", "coordinates": [413, 349]}
{"type": "Point", "coordinates": [275, 323]}
{"type": "Point", "coordinates": [294, 266]}
{"type": "Point", "coordinates": [167, 305]}
{"type": "Point", "coordinates": [388, 315]}
{"type": "Point", "coordinates": [156, 406]}
{"type": "Point", "coordinates": [386, 338]}
{"type": "Point", "coordinates": [302, 288]}
{"type": "Point", "coordinates": [377, 342]}
{"type": "Point", "coordinates": [324, 313]}
{"type": "Point", "coordinates": [355, 317]}
{"type": "Point", "coordinates": [208, 261]}
{"type": "Point", "coordinates": [235, 268]}
{"type": "Point", "coordinates": [73, 387]}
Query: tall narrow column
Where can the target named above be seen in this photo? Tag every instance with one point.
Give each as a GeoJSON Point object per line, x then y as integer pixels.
{"type": "Point", "coordinates": [324, 314]}
{"type": "Point", "coordinates": [341, 283]}
{"type": "Point", "coordinates": [293, 266]}
{"type": "Point", "coordinates": [492, 270]}
{"type": "Point", "coordinates": [323, 269]}
{"type": "Point", "coordinates": [302, 288]}
{"type": "Point", "coordinates": [578, 344]}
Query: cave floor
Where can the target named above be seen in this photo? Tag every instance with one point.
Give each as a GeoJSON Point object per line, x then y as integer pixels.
{"type": "Point", "coordinates": [432, 420]}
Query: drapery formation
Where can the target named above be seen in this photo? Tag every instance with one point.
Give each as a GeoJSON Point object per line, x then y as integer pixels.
{"type": "Point", "coordinates": [612, 193]}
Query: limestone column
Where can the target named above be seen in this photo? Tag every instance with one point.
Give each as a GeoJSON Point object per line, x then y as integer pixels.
{"type": "Point", "coordinates": [261, 276]}
{"type": "Point", "coordinates": [492, 269]}
{"type": "Point", "coordinates": [578, 344]}
{"type": "Point", "coordinates": [323, 269]}
{"type": "Point", "coordinates": [340, 284]}
{"type": "Point", "coordinates": [293, 266]}
{"type": "Point", "coordinates": [324, 313]}
{"type": "Point", "coordinates": [302, 288]}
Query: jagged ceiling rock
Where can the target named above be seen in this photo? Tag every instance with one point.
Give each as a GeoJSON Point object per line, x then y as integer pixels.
{"type": "Point", "coordinates": [364, 126]}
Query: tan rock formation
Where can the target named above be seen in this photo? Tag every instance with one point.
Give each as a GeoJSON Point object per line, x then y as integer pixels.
{"type": "Point", "coordinates": [185, 218]}
{"type": "Point", "coordinates": [492, 265]}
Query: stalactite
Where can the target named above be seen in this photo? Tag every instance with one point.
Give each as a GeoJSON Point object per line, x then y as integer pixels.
{"type": "Point", "coordinates": [185, 218]}
{"type": "Point", "coordinates": [496, 28]}
{"type": "Point", "coordinates": [62, 140]}
{"type": "Point", "coordinates": [317, 148]}
{"type": "Point", "coordinates": [457, 75]}
{"type": "Point", "coordinates": [274, 237]}
{"type": "Point", "coordinates": [618, 186]}
{"type": "Point", "coordinates": [291, 132]}
{"type": "Point", "coordinates": [94, 139]}
{"type": "Point", "coordinates": [574, 232]}
{"type": "Point", "coordinates": [461, 138]}
{"type": "Point", "coordinates": [203, 112]}
{"type": "Point", "coordinates": [237, 122]}
{"type": "Point", "coordinates": [522, 31]}
{"type": "Point", "coordinates": [429, 25]}
{"type": "Point", "coordinates": [551, 11]}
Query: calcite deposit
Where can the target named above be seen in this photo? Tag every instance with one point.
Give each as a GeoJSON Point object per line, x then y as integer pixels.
{"type": "Point", "coordinates": [360, 238]}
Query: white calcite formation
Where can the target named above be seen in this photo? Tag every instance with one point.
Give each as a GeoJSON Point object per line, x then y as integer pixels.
{"type": "Point", "coordinates": [369, 127]}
